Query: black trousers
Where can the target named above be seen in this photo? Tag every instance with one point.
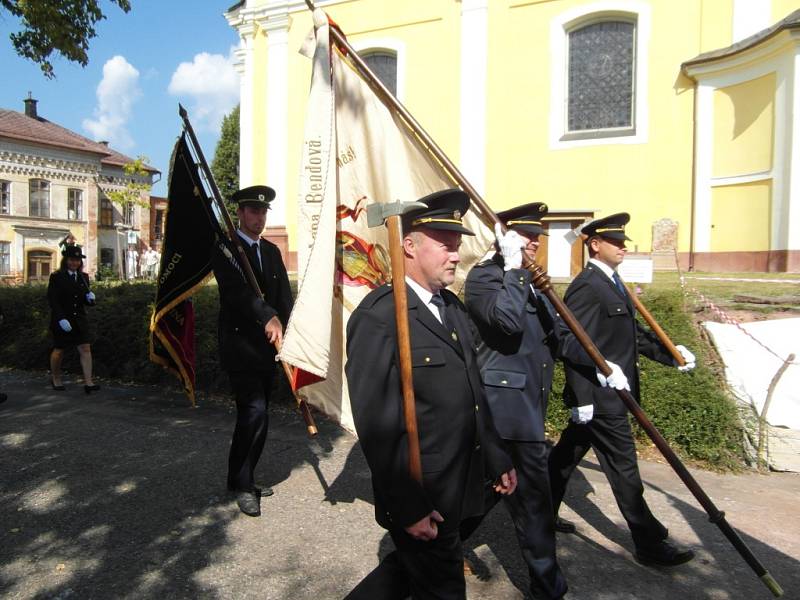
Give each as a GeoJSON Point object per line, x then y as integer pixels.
{"type": "Point", "coordinates": [423, 570]}
{"type": "Point", "coordinates": [251, 391]}
{"type": "Point", "coordinates": [532, 512]}
{"type": "Point", "coordinates": [611, 438]}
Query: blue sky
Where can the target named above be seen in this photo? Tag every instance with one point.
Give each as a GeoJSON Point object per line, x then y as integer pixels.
{"type": "Point", "coordinates": [141, 64]}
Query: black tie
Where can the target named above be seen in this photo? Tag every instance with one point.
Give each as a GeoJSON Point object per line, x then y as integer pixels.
{"type": "Point", "coordinates": [74, 277]}
{"type": "Point", "coordinates": [438, 302]}
{"type": "Point", "coordinates": [254, 250]}
{"type": "Point", "coordinates": [618, 283]}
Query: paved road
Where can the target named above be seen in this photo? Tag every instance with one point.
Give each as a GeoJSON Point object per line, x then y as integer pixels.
{"type": "Point", "coordinates": [121, 495]}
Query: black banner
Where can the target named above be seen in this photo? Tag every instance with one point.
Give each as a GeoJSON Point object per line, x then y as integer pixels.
{"type": "Point", "coordinates": [190, 232]}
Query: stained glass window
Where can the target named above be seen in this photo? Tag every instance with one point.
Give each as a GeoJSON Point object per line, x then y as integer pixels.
{"type": "Point", "coordinates": [601, 80]}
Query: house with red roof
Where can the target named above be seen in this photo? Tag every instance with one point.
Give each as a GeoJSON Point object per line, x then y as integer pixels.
{"type": "Point", "coordinates": [55, 183]}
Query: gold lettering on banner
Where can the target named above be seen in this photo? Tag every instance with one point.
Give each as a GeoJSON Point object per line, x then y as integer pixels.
{"type": "Point", "coordinates": [313, 171]}
{"type": "Point", "coordinates": [348, 155]}
{"type": "Point", "coordinates": [176, 258]}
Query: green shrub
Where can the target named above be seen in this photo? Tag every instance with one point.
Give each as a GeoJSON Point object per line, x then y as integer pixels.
{"type": "Point", "coordinates": [120, 332]}
{"type": "Point", "coordinates": [691, 410]}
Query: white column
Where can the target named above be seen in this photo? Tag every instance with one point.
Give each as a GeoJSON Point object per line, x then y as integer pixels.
{"type": "Point", "coordinates": [276, 96]}
{"type": "Point", "coordinates": [791, 212]}
{"type": "Point", "coordinates": [245, 67]}
{"type": "Point", "coordinates": [703, 155]}
{"type": "Point", "coordinates": [474, 49]}
{"type": "Point", "coordinates": [749, 17]}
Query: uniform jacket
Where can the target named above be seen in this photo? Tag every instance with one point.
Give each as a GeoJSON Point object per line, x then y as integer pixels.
{"type": "Point", "coordinates": [459, 446]}
{"type": "Point", "coordinates": [520, 337]}
{"type": "Point", "coordinates": [609, 318]}
{"type": "Point", "coordinates": [242, 314]}
{"type": "Point", "coordinates": [67, 298]}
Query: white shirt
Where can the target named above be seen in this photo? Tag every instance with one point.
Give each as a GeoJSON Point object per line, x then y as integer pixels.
{"type": "Point", "coordinates": [425, 296]}
{"type": "Point", "coordinates": [250, 243]}
{"type": "Point", "coordinates": [604, 268]}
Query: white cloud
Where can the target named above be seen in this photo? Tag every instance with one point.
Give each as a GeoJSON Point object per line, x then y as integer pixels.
{"type": "Point", "coordinates": [116, 93]}
{"type": "Point", "coordinates": [210, 84]}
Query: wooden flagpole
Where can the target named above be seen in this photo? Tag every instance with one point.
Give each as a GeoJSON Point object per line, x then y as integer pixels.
{"type": "Point", "coordinates": [542, 283]}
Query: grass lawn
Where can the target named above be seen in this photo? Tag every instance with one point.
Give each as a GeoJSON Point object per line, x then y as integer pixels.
{"type": "Point", "coordinates": [722, 288]}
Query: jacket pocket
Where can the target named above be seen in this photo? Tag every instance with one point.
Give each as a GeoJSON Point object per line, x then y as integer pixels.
{"type": "Point", "coordinates": [617, 308]}
{"type": "Point", "coordinates": [427, 357]}
{"type": "Point", "coordinates": [432, 462]}
{"type": "Point", "coordinates": [504, 379]}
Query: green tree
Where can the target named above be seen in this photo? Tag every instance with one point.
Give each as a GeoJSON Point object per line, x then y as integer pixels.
{"type": "Point", "coordinates": [63, 26]}
{"type": "Point", "coordinates": [225, 166]}
{"type": "Point", "coordinates": [139, 178]}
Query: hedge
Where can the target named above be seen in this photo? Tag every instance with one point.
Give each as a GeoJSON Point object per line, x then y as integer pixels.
{"type": "Point", "coordinates": [692, 410]}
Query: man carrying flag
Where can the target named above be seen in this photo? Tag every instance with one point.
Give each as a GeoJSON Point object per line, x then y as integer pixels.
{"type": "Point", "coordinates": [249, 328]}
{"type": "Point", "coordinates": [599, 419]}
{"type": "Point", "coordinates": [459, 447]}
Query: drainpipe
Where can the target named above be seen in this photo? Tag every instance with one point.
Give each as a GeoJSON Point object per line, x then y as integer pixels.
{"type": "Point", "coordinates": [694, 179]}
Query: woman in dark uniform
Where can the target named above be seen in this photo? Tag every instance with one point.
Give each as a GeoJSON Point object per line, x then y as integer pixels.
{"type": "Point", "coordinates": [68, 294]}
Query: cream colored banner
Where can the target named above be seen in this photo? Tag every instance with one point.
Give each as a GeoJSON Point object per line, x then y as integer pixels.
{"type": "Point", "coordinates": [376, 158]}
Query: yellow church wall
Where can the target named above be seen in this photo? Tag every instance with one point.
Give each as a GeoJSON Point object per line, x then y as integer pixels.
{"type": "Point", "coordinates": [743, 127]}
{"type": "Point", "coordinates": [428, 32]}
{"type": "Point", "coordinates": [732, 233]}
{"type": "Point", "coordinates": [714, 25]}
{"type": "Point", "coordinates": [782, 8]}
{"type": "Point", "coordinates": [651, 180]}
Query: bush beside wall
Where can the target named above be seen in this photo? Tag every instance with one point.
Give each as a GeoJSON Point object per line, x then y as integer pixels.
{"type": "Point", "coordinates": [692, 410]}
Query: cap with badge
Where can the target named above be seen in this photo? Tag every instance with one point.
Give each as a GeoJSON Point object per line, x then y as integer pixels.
{"type": "Point", "coordinates": [72, 251]}
{"type": "Point", "coordinates": [526, 218]}
{"type": "Point", "coordinates": [259, 195]}
{"type": "Point", "coordinates": [444, 211]}
{"type": "Point", "coordinates": [612, 227]}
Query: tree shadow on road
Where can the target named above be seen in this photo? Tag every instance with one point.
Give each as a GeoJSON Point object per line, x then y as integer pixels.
{"type": "Point", "coordinates": [117, 494]}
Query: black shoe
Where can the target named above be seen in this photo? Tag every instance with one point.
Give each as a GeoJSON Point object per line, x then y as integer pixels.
{"type": "Point", "coordinates": [58, 388]}
{"type": "Point", "coordinates": [663, 554]}
{"type": "Point", "coordinates": [249, 503]}
{"type": "Point", "coordinates": [263, 491]}
{"type": "Point", "coordinates": [91, 388]}
{"type": "Point", "coordinates": [564, 526]}
{"type": "Point", "coordinates": [3, 398]}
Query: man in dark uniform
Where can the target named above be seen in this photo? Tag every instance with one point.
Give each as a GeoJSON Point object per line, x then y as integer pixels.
{"type": "Point", "coordinates": [460, 449]}
{"type": "Point", "coordinates": [521, 336]}
{"type": "Point", "coordinates": [599, 420]}
{"type": "Point", "coordinates": [249, 326]}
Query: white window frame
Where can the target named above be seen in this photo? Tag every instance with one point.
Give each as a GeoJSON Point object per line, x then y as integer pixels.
{"type": "Point", "coordinates": [393, 46]}
{"type": "Point", "coordinates": [7, 184]}
{"type": "Point", "coordinates": [560, 27]}
{"type": "Point", "coordinates": [49, 198]}
{"type": "Point", "coordinates": [79, 211]}
{"type": "Point", "coordinates": [5, 271]}
{"type": "Point", "coordinates": [129, 213]}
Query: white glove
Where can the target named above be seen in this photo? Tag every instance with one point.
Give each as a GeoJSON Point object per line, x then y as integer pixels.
{"type": "Point", "coordinates": [616, 379]}
{"type": "Point", "coordinates": [688, 358]}
{"type": "Point", "coordinates": [582, 414]}
{"type": "Point", "coordinates": [64, 324]}
{"type": "Point", "coordinates": [90, 296]}
{"type": "Point", "coordinates": [511, 245]}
